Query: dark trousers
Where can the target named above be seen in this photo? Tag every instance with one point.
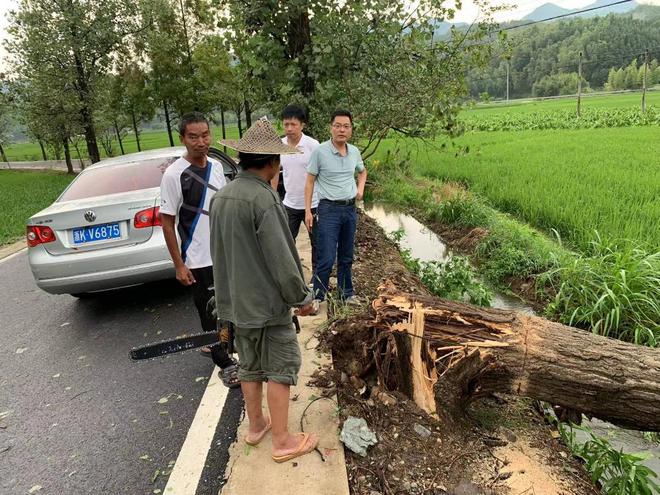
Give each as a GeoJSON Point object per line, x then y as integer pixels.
{"type": "Point", "coordinates": [202, 291]}
{"type": "Point", "coordinates": [296, 217]}
{"type": "Point", "coordinates": [335, 238]}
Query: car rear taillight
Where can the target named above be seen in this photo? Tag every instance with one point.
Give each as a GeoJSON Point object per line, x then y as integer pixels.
{"type": "Point", "coordinates": [147, 218]}
{"type": "Point", "coordinates": [39, 234]}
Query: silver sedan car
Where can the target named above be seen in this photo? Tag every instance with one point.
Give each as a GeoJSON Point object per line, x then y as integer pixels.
{"type": "Point", "coordinates": [104, 231]}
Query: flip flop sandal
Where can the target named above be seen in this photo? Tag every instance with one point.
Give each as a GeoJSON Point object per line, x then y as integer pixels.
{"type": "Point", "coordinates": [229, 376]}
{"type": "Point", "coordinates": [303, 448]}
{"type": "Point", "coordinates": [257, 440]}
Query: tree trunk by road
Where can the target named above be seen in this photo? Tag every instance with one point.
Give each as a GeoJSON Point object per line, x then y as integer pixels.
{"type": "Point", "coordinates": [451, 353]}
{"type": "Point", "coordinates": [121, 145]}
{"type": "Point", "coordinates": [224, 128]}
{"type": "Point", "coordinates": [168, 123]}
{"type": "Point", "coordinates": [240, 126]}
{"type": "Point", "coordinates": [248, 114]}
{"type": "Point", "coordinates": [67, 156]}
{"type": "Point", "coordinates": [136, 131]}
{"type": "Point", "coordinates": [43, 149]}
{"type": "Point", "coordinates": [299, 39]}
{"type": "Point", "coordinates": [3, 155]}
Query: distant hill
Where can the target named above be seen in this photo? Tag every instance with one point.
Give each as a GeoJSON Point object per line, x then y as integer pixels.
{"type": "Point", "coordinates": [551, 10]}
{"type": "Point", "coordinates": [442, 28]}
{"type": "Point", "coordinates": [544, 11]}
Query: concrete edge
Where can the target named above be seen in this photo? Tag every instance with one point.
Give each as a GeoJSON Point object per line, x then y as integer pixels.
{"type": "Point", "coordinates": [8, 249]}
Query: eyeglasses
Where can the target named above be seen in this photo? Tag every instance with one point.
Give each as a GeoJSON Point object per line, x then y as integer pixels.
{"type": "Point", "coordinates": [342, 126]}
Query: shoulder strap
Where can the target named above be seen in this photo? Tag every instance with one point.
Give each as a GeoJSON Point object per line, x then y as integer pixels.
{"type": "Point", "coordinates": [199, 179]}
{"type": "Point", "coordinates": [195, 209]}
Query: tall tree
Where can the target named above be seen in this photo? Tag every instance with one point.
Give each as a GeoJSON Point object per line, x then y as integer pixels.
{"type": "Point", "coordinates": [179, 30]}
{"type": "Point", "coordinates": [49, 112]}
{"type": "Point", "coordinates": [4, 127]}
{"type": "Point", "coordinates": [71, 42]}
{"type": "Point", "coordinates": [377, 57]}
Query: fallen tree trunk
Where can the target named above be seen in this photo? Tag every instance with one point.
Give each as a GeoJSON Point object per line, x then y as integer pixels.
{"type": "Point", "coordinates": [458, 352]}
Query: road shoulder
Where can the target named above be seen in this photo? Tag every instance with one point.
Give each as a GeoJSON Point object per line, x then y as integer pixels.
{"type": "Point", "coordinates": [251, 469]}
{"type": "Point", "coordinates": [7, 250]}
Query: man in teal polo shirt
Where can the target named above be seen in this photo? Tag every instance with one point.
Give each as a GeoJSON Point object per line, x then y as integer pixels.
{"type": "Point", "coordinates": [332, 167]}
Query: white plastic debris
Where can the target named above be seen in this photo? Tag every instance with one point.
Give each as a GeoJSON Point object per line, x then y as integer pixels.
{"type": "Point", "coordinates": [422, 431]}
{"type": "Point", "coordinates": [357, 436]}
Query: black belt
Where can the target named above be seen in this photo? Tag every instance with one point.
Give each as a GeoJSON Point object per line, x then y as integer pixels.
{"type": "Point", "coordinates": [343, 202]}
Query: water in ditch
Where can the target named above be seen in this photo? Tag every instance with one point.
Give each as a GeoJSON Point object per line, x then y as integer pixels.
{"type": "Point", "coordinates": [427, 246]}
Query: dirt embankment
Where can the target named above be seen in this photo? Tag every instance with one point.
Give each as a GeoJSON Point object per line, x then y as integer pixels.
{"type": "Point", "coordinates": [505, 447]}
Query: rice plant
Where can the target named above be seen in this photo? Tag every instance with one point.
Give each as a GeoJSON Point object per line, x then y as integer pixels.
{"type": "Point", "coordinates": [612, 290]}
{"type": "Point", "coordinates": [617, 472]}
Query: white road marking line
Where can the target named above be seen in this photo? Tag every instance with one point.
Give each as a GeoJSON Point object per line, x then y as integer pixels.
{"type": "Point", "coordinates": [190, 462]}
{"type": "Point", "coordinates": [7, 258]}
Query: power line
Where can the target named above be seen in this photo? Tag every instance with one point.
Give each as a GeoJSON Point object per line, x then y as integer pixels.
{"type": "Point", "coordinates": [568, 14]}
{"type": "Point", "coordinates": [563, 15]}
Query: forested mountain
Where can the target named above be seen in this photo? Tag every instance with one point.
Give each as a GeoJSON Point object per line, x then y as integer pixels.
{"type": "Point", "coordinates": [551, 10]}
{"type": "Point", "coordinates": [544, 11]}
{"type": "Point", "coordinates": [544, 57]}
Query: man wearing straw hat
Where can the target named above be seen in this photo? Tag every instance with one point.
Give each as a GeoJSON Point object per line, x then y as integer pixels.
{"type": "Point", "coordinates": [258, 279]}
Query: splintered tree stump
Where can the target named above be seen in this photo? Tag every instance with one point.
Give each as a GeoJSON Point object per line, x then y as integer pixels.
{"type": "Point", "coordinates": [458, 352]}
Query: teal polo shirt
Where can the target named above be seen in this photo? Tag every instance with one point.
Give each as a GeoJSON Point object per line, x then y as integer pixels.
{"type": "Point", "coordinates": [335, 174]}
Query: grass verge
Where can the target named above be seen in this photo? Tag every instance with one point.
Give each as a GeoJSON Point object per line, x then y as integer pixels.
{"type": "Point", "coordinates": [23, 194]}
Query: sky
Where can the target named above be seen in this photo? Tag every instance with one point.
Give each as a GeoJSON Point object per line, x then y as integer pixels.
{"type": "Point", "coordinates": [467, 14]}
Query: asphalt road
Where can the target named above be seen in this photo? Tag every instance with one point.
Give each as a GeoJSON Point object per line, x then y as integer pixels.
{"type": "Point", "coordinates": [76, 415]}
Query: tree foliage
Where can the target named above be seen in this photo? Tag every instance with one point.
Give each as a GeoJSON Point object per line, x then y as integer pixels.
{"type": "Point", "coordinates": [559, 84]}
{"type": "Point", "coordinates": [377, 58]}
{"type": "Point", "coordinates": [549, 49]}
{"type": "Point", "coordinates": [67, 46]}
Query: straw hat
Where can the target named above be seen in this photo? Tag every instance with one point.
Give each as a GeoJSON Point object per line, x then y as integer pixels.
{"type": "Point", "coordinates": [260, 139]}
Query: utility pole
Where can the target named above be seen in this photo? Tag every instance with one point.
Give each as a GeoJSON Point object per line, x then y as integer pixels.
{"type": "Point", "coordinates": [646, 65]}
{"type": "Point", "coordinates": [508, 62]}
{"type": "Point", "coordinates": [579, 93]}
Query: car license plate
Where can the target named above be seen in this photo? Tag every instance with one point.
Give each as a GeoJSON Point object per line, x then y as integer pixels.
{"type": "Point", "coordinates": [82, 235]}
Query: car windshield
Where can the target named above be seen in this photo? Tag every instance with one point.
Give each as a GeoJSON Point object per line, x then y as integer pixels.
{"type": "Point", "coordinates": [116, 179]}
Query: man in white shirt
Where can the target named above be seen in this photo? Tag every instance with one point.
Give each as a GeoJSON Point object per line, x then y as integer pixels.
{"type": "Point", "coordinates": [186, 190]}
{"type": "Point", "coordinates": [294, 171]}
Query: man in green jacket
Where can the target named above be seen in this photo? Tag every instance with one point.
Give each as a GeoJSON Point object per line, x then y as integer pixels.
{"type": "Point", "coordinates": [258, 279]}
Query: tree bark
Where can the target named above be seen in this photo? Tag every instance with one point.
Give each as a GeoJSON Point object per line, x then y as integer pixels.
{"type": "Point", "coordinates": [168, 123]}
{"type": "Point", "coordinates": [240, 127]}
{"type": "Point", "coordinates": [67, 156]}
{"type": "Point", "coordinates": [456, 353]}
{"type": "Point", "coordinates": [90, 134]}
{"type": "Point", "coordinates": [121, 145]}
{"type": "Point", "coordinates": [248, 114]}
{"type": "Point", "coordinates": [299, 39]}
{"type": "Point", "coordinates": [43, 149]}
{"type": "Point", "coordinates": [135, 130]}
{"type": "Point", "coordinates": [224, 128]}
{"type": "Point", "coordinates": [3, 154]}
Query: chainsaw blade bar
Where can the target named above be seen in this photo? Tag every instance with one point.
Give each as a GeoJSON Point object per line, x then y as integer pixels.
{"type": "Point", "coordinates": [180, 344]}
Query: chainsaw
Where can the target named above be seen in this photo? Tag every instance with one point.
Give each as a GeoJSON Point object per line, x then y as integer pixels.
{"type": "Point", "coordinates": [224, 337]}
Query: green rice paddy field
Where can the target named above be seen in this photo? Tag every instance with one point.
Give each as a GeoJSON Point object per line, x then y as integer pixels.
{"type": "Point", "coordinates": [575, 181]}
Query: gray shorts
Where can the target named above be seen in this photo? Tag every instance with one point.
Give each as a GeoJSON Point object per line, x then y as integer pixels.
{"type": "Point", "coordinates": [268, 354]}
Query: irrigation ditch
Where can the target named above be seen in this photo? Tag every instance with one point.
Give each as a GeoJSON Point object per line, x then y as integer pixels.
{"type": "Point", "coordinates": [507, 444]}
